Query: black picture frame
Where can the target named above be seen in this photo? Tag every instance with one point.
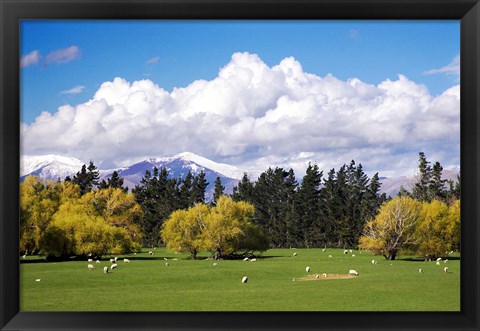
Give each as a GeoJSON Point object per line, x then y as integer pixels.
{"type": "Point", "coordinates": [11, 11]}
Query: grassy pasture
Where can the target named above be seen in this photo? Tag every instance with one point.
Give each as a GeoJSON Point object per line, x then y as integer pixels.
{"type": "Point", "coordinates": [147, 284]}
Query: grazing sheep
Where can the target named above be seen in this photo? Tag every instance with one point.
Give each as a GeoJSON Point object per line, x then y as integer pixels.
{"type": "Point", "coordinates": [112, 260]}
{"type": "Point", "coordinates": [445, 269]}
{"type": "Point", "coordinates": [445, 261]}
{"type": "Point", "coordinates": [353, 272]}
{"type": "Point", "coordinates": [420, 271]}
{"type": "Point", "coordinates": [353, 255]}
{"type": "Point", "coordinates": [451, 252]}
{"type": "Point", "coordinates": [323, 250]}
{"type": "Point", "coordinates": [105, 270]}
{"type": "Point", "coordinates": [126, 261]}
{"type": "Point", "coordinates": [438, 262]}
{"type": "Point", "coordinates": [98, 261]}
{"type": "Point", "coordinates": [150, 253]}
{"type": "Point", "coordinates": [293, 280]}
{"type": "Point", "coordinates": [174, 259]}
{"type": "Point", "coordinates": [374, 262]}
{"type": "Point", "coordinates": [244, 279]}
{"type": "Point", "coordinates": [24, 256]}
{"type": "Point", "coordinates": [113, 266]}
{"type": "Point", "coordinates": [294, 254]}
{"type": "Point", "coordinates": [38, 279]}
{"type": "Point", "coordinates": [324, 275]}
{"type": "Point", "coordinates": [165, 259]}
{"type": "Point", "coordinates": [215, 264]}
{"type": "Point", "coordinates": [253, 260]}
{"type": "Point", "coordinates": [439, 259]}
{"type": "Point", "coordinates": [116, 258]}
{"type": "Point", "coordinates": [166, 264]}
{"type": "Point", "coordinates": [350, 251]}
{"type": "Point", "coordinates": [307, 269]}
{"type": "Point", "coordinates": [317, 276]}
{"type": "Point", "coordinates": [89, 254]}
{"type": "Point", "coordinates": [246, 259]}
{"type": "Point", "coordinates": [90, 260]}
{"type": "Point", "coordinates": [154, 247]}
{"type": "Point", "coordinates": [90, 267]}
{"type": "Point", "coordinates": [345, 252]}
{"type": "Point", "coordinates": [330, 256]}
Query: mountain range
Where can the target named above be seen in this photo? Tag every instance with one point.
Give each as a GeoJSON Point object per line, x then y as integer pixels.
{"type": "Point", "coordinates": [58, 167]}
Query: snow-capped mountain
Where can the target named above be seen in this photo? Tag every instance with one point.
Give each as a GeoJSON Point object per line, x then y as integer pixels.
{"type": "Point", "coordinates": [49, 166]}
{"type": "Point", "coordinates": [55, 167]}
{"type": "Point", "coordinates": [178, 166]}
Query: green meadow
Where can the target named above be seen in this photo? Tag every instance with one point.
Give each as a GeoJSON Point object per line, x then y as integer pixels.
{"type": "Point", "coordinates": [274, 283]}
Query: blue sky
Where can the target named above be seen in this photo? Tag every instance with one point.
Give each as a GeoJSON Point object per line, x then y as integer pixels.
{"type": "Point", "coordinates": [190, 50]}
{"type": "Point", "coordinates": [66, 62]}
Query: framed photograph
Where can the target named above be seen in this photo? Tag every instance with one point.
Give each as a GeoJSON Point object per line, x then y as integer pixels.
{"type": "Point", "coordinates": [239, 165]}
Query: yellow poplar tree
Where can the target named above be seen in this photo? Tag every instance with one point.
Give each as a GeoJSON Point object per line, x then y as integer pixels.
{"type": "Point", "coordinates": [392, 228]}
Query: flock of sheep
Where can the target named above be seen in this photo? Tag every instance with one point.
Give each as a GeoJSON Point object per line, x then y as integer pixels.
{"type": "Point", "coordinates": [244, 279]}
{"type": "Point", "coordinates": [113, 265]}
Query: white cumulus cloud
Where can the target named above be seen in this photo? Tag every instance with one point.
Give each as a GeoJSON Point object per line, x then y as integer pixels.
{"type": "Point", "coordinates": [254, 116]}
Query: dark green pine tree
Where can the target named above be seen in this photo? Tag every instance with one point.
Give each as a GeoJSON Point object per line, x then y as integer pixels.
{"type": "Point", "coordinates": [403, 192]}
{"type": "Point", "coordinates": [218, 190]}
{"type": "Point", "coordinates": [86, 178]}
{"type": "Point", "coordinates": [421, 189]}
{"type": "Point", "coordinates": [199, 185]}
{"type": "Point", "coordinates": [244, 190]}
{"type": "Point", "coordinates": [436, 186]}
{"type": "Point", "coordinates": [308, 207]}
{"type": "Point", "coordinates": [114, 181]}
{"type": "Point", "coordinates": [185, 191]}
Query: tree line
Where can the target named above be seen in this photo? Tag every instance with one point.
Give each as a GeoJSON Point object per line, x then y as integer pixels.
{"type": "Point", "coordinates": [317, 211]}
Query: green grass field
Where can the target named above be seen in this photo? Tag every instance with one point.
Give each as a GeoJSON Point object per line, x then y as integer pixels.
{"type": "Point", "coordinates": [147, 284]}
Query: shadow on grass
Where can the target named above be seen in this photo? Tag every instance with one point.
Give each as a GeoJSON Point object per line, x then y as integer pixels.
{"type": "Point", "coordinates": [419, 259]}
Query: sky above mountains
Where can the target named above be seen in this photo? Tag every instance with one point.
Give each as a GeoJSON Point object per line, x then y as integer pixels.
{"type": "Point", "coordinates": [247, 93]}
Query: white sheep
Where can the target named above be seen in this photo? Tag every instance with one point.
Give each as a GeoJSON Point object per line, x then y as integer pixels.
{"type": "Point", "coordinates": [307, 269]}
{"type": "Point", "coordinates": [90, 260]}
{"type": "Point", "coordinates": [445, 261]}
{"type": "Point", "coordinates": [451, 252]}
{"type": "Point", "coordinates": [353, 272]}
{"type": "Point", "coordinates": [253, 260]}
{"type": "Point", "coordinates": [38, 279]}
{"type": "Point", "coordinates": [439, 259]}
{"type": "Point", "coordinates": [246, 259]}
{"type": "Point", "coordinates": [91, 267]}
{"type": "Point", "coordinates": [317, 276]}
{"type": "Point", "coordinates": [166, 264]}
{"type": "Point", "coordinates": [174, 259]}
{"type": "Point", "coordinates": [126, 261]}
{"type": "Point", "coordinates": [113, 266]}
{"type": "Point", "coordinates": [445, 269]}
{"type": "Point", "coordinates": [324, 275]}
{"type": "Point", "coordinates": [98, 261]}
{"type": "Point", "coordinates": [165, 259]}
{"type": "Point", "coordinates": [105, 270]}
{"type": "Point", "coordinates": [244, 279]}
{"type": "Point", "coordinates": [330, 256]}
{"type": "Point", "coordinates": [438, 262]}
{"type": "Point", "coordinates": [323, 250]}
{"type": "Point", "coordinates": [215, 264]}
{"type": "Point", "coordinates": [353, 255]}
{"type": "Point", "coordinates": [294, 254]}
{"type": "Point", "coordinates": [150, 253]}
{"type": "Point", "coordinates": [112, 261]}
{"type": "Point", "coordinates": [24, 256]}
{"type": "Point", "coordinates": [154, 247]}
{"type": "Point", "coordinates": [350, 251]}
{"type": "Point", "coordinates": [420, 271]}
{"type": "Point", "coordinates": [374, 262]}
{"type": "Point", "coordinates": [115, 259]}
{"type": "Point", "coordinates": [345, 252]}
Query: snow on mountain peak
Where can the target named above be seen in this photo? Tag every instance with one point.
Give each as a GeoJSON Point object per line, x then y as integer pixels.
{"type": "Point", "coordinates": [64, 164]}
